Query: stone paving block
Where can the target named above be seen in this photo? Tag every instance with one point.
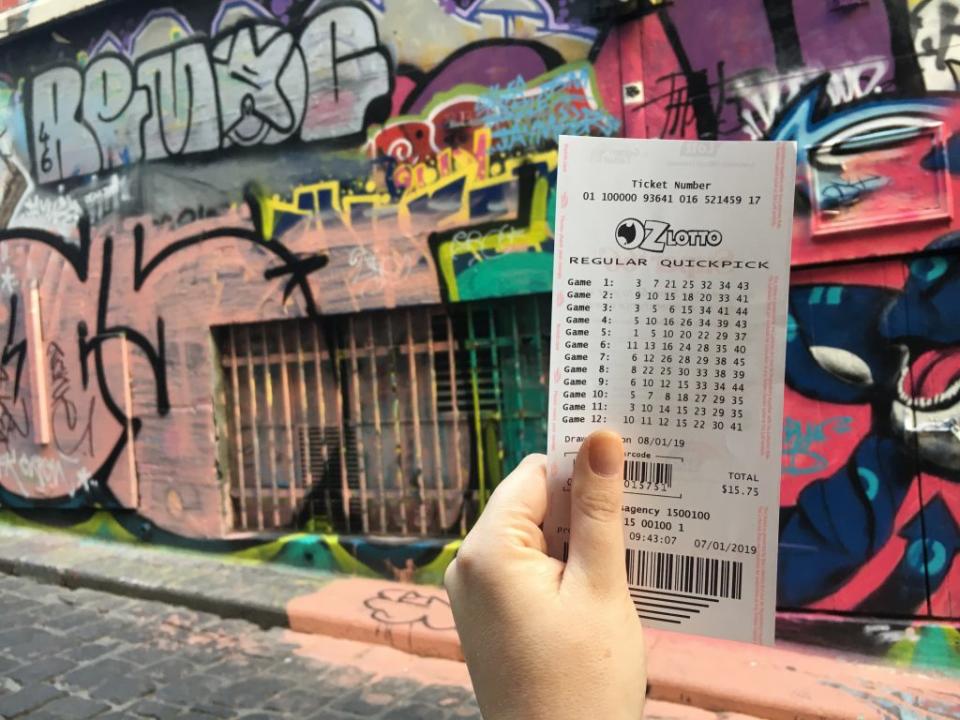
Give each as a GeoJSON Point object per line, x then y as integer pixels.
{"type": "Point", "coordinates": [29, 644]}
{"type": "Point", "coordinates": [170, 670]}
{"type": "Point", "coordinates": [246, 693]}
{"type": "Point", "coordinates": [328, 714]}
{"type": "Point", "coordinates": [143, 655]}
{"type": "Point", "coordinates": [97, 672]}
{"type": "Point", "coordinates": [212, 711]}
{"type": "Point", "coordinates": [122, 689]}
{"type": "Point", "coordinates": [73, 619]}
{"type": "Point", "coordinates": [29, 698]}
{"type": "Point", "coordinates": [145, 608]}
{"type": "Point", "coordinates": [6, 664]}
{"type": "Point", "coordinates": [111, 605]}
{"type": "Point", "coordinates": [45, 669]}
{"type": "Point", "coordinates": [10, 600]}
{"type": "Point", "coordinates": [88, 651]}
{"type": "Point", "coordinates": [188, 691]}
{"type": "Point", "coordinates": [74, 708]}
{"type": "Point", "coordinates": [154, 710]}
{"type": "Point", "coordinates": [89, 632]}
{"type": "Point", "coordinates": [202, 656]}
{"type": "Point", "coordinates": [297, 702]}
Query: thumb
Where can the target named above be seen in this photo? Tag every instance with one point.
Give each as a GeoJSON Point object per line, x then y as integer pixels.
{"type": "Point", "coordinates": [596, 555]}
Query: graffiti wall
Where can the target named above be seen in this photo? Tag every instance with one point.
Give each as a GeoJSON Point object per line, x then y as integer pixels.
{"type": "Point", "coordinates": [172, 167]}
{"type": "Point", "coordinates": [252, 162]}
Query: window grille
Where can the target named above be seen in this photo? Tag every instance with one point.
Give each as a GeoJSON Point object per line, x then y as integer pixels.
{"type": "Point", "coordinates": [404, 429]}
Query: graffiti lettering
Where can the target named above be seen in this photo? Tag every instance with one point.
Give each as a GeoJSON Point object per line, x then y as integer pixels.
{"type": "Point", "coordinates": [64, 409]}
{"type": "Point", "coordinates": [844, 193]}
{"type": "Point", "coordinates": [38, 474]}
{"type": "Point", "coordinates": [58, 213]}
{"type": "Point", "coordinates": [14, 417]}
{"type": "Point", "coordinates": [761, 97]}
{"type": "Point", "coordinates": [799, 457]}
{"type": "Point", "coordinates": [370, 267]}
{"type": "Point", "coordinates": [522, 116]}
{"type": "Point", "coordinates": [256, 84]}
{"type": "Point", "coordinates": [101, 204]}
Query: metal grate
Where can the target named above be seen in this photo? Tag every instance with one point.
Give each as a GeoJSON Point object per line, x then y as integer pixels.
{"type": "Point", "coordinates": [403, 429]}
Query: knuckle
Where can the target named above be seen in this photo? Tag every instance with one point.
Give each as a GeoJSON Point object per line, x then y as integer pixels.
{"type": "Point", "coordinates": [534, 460]}
{"type": "Point", "coordinates": [598, 503]}
{"type": "Point", "coordinates": [466, 565]}
{"type": "Point", "coordinates": [450, 577]}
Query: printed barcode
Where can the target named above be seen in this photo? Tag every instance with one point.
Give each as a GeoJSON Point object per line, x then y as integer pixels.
{"type": "Point", "coordinates": [641, 474]}
{"type": "Point", "coordinates": [685, 574]}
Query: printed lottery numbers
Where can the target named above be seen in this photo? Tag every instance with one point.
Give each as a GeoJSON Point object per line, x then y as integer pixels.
{"type": "Point", "coordinates": [688, 354]}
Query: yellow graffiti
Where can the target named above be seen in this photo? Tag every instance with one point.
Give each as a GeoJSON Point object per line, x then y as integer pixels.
{"type": "Point", "coordinates": [499, 241]}
{"type": "Point", "coordinates": [100, 524]}
{"type": "Point", "coordinates": [333, 201]}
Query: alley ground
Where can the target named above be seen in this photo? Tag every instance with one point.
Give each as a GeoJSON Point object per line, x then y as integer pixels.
{"type": "Point", "coordinates": [161, 645]}
{"type": "Point", "coordinates": [84, 654]}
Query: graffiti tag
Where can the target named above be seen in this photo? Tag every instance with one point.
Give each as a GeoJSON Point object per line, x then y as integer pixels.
{"type": "Point", "coordinates": [255, 84]}
{"type": "Point", "coordinates": [410, 607]}
{"type": "Point", "coordinates": [799, 457]}
{"type": "Point", "coordinates": [63, 407]}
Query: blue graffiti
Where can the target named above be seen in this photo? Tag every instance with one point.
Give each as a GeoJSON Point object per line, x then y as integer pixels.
{"type": "Point", "coordinates": [540, 14]}
{"type": "Point", "coordinates": [802, 122]}
{"type": "Point", "coordinates": [844, 193]}
{"type": "Point", "coordinates": [842, 520]}
{"type": "Point", "coordinates": [799, 439]}
{"type": "Point", "coordinates": [522, 116]}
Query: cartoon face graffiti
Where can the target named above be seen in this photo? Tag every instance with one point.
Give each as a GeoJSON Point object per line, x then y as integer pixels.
{"type": "Point", "coordinates": [897, 352]}
{"type": "Point", "coordinates": [927, 404]}
{"type": "Point", "coordinates": [261, 83]}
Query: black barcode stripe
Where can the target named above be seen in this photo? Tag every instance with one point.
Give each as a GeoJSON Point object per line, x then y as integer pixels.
{"type": "Point", "coordinates": [655, 592]}
{"type": "Point", "coordinates": [647, 474]}
{"type": "Point", "coordinates": [645, 616]}
{"type": "Point", "coordinates": [690, 574]}
{"type": "Point", "coordinates": [674, 600]}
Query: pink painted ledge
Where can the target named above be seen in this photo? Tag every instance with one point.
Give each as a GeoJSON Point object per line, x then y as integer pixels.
{"type": "Point", "coordinates": [714, 675]}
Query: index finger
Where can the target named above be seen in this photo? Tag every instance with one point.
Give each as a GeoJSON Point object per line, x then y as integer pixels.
{"type": "Point", "coordinates": [519, 501]}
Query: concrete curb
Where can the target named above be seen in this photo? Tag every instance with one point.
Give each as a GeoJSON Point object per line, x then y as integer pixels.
{"type": "Point", "coordinates": [264, 616]}
{"type": "Point", "coordinates": [782, 683]}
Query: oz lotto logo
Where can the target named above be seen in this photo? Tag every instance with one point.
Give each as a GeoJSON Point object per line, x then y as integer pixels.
{"type": "Point", "coordinates": [657, 235]}
{"type": "Point", "coordinates": [630, 234]}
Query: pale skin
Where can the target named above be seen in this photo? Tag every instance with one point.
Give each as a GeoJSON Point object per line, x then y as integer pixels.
{"type": "Point", "coordinates": [546, 640]}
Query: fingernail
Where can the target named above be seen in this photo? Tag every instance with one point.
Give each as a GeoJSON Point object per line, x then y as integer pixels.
{"type": "Point", "coordinates": [605, 453]}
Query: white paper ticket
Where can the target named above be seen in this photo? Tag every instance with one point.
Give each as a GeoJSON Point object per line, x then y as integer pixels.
{"type": "Point", "coordinates": [669, 321]}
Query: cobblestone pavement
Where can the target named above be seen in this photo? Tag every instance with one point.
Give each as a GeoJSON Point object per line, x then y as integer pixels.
{"type": "Point", "coordinates": [77, 654]}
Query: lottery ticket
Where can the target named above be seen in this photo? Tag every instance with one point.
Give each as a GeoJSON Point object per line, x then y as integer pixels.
{"type": "Point", "coordinates": [669, 324]}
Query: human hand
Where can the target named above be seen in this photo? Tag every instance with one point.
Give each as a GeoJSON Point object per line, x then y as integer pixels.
{"type": "Point", "coordinates": [543, 639]}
